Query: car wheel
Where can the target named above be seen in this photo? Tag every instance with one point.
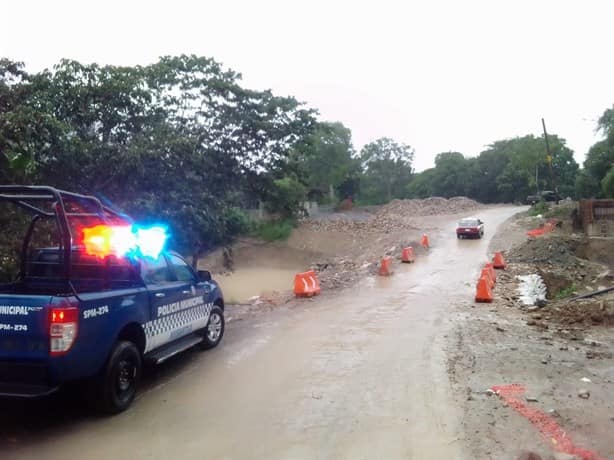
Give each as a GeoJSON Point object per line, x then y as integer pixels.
{"type": "Point", "coordinates": [458, 236]}
{"type": "Point", "coordinates": [120, 378]}
{"type": "Point", "coordinates": [214, 331]}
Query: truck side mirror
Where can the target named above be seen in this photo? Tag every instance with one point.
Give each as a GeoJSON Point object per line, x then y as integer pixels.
{"type": "Point", "coordinates": [204, 275]}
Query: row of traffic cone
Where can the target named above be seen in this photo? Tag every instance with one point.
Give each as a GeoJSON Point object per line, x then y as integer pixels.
{"type": "Point", "coordinates": [488, 278]}
{"type": "Point", "coordinates": [407, 257]}
{"type": "Point", "coordinates": [306, 284]}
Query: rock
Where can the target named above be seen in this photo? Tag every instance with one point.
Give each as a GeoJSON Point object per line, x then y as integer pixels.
{"type": "Point", "coordinates": [584, 393]}
{"type": "Point", "coordinates": [531, 399]}
{"type": "Point", "coordinates": [489, 392]}
{"type": "Point", "coordinates": [500, 329]}
{"type": "Point", "coordinates": [563, 348]}
{"type": "Point", "coordinates": [590, 354]}
{"type": "Point", "coordinates": [553, 413]}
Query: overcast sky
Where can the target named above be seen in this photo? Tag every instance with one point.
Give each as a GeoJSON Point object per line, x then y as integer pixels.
{"type": "Point", "coordinates": [437, 75]}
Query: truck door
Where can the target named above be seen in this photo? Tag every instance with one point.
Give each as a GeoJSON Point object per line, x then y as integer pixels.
{"type": "Point", "coordinates": [163, 295]}
{"type": "Point", "coordinates": [177, 304]}
{"type": "Point", "coordinates": [193, 293]}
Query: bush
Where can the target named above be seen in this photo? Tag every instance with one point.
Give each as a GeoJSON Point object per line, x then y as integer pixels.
{"type": "Point", "coordinates": [237, 221]}
{"type": "Point", "coordinates": [541, 207]}
{"type": "Point", "coordinates": [272, 230]}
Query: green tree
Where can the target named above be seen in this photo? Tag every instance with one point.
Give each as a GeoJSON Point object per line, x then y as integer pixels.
{"type": "Point", "coordinates": [599, 159]}
{"type": "Point", "coordinates": [607, 184]}
{"type": "Point", "coordinates": [421, 185]}
{"type": "Point", "coordinates": [174, 141]}
{"type": "Point", "coordinates": [586, 185]}
{"type": "Point", "coordinates": [328, 160]}
{"type": "Point", "coordinates": [387, 167]}
{"type": "Point", "coordinates": [285, 198]}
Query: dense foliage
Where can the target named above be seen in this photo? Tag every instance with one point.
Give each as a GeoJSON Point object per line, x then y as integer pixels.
{"type": "Point", "coordinates": [181, 141]}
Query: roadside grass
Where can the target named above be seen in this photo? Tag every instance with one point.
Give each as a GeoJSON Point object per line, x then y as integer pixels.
{"type": "Point", "coordinates": [272, 230]}
{"type": "Point", "coordinates": [541, 207]}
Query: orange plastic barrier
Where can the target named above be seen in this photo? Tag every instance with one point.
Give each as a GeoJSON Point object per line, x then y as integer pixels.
{"type": "Point", "coordinates": [306, 284]}
{"type": "Point", "coordinates": [483, 292]}
{"type": "Point", "coordinates": [407, 256]}
{"type": "Point", "coordinates": [493, 273]}
{"type": "Point", "coordinates": [385, 268]}
{"type": "Point", "coordinates": [425, 241]}
{"type": "Point", "coordinates": [547, 228]}
{"type": "Point", "coordinates": [486, 274]}
{"type": "Point", "coordinates": [498, 261]}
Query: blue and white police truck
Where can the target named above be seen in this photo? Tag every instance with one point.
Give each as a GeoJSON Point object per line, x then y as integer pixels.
{"type": "Point", "coordinates": [94, 298]}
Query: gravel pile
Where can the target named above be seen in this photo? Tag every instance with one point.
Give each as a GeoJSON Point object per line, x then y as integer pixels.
{"type": "Point", "coordinates": [427, 207]}
{"type": "Point", "coordinates": [396, 215]}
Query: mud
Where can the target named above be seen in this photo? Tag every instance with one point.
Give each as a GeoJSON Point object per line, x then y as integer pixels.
{"type": "Point", "coordinates": [551, 350]}
{"type": "Point", "coordinates": [354, 374]}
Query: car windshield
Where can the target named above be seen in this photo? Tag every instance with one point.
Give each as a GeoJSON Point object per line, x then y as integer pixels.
{"type": "Point", "coordinates": [468, 223]}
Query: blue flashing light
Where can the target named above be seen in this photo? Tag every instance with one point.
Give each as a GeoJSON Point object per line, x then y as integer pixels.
{"type": "Point", "coordinates": [150, 241]}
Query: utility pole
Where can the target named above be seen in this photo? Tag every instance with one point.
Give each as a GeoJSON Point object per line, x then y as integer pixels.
{"type": "Point", "coordinates": [549, 160]}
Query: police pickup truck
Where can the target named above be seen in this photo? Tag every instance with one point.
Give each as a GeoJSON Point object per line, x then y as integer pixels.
{"type": "Point", "coordinates": [95, 298]}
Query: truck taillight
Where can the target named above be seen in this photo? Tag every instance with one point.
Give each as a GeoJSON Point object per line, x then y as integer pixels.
{"type": "Point", "coordinates": [62, 329]}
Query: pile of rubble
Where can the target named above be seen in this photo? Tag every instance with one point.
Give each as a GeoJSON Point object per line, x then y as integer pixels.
{"type": "Point", "coordinates": [427, 207]}
{"type": "Point", "coordinates": [554, 258]}
{"type": "Point", "coordinates": [396, 215]}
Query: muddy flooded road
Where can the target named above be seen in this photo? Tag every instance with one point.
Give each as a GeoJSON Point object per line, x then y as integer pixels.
{"type": "Point", "coordinates": [258, 269]}
{"type": "Point", "coordinates": [356, 374]}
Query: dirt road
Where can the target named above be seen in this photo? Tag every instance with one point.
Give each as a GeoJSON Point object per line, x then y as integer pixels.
{"type": "Point", "coordinates": [359, 374]}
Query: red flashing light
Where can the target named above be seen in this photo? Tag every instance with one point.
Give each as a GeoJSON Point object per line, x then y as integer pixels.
{"type": "Point", "coordinates": [97, 241]}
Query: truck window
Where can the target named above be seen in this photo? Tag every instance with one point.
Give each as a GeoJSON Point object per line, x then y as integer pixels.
{"type": "Point", "coordinates": [155, 271]}
{"type": "Point", "coordinates": [182, 271]}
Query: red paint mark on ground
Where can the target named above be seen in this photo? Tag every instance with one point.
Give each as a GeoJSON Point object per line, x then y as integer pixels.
{"type": "Point", "coordinates": [549, 429]}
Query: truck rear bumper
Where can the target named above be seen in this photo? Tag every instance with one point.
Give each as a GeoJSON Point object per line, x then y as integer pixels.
{"type": "Point", "coordinates": [12, 390]}
{"type": "Point", "coordinates": [29, 380]}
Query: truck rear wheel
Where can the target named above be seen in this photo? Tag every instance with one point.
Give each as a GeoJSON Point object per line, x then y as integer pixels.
{"type": "Point", "coordinates": [120, 377]}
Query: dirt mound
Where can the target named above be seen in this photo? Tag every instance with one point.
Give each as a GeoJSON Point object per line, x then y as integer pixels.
{"type": "Point", "coordinates": [396, 215]}
{"type": "Point", "coordinates": [427, 207]}
{"type": "Point", "coordinates": [550, 248]}
{"type": "Point", "coordinates": [580, 312]}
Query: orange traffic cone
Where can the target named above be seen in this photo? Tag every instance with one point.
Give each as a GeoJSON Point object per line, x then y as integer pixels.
{"type": "Point", "coordinates": [483, 292]}
{"type": "Point", "coordinates": [306, 284]}
{"type": "Point", "coordinates": [493, 273]}
{"type": "Point", "coordinates": [385, 268]}
{"type": "Point", "coordinates": [486, 273]}
{"type": "Point", "coordinates": [407, 256]}
{"type": "Point", "coordinates": [499, 261]}
{"type": "Point", "coordinates": [425, 241]}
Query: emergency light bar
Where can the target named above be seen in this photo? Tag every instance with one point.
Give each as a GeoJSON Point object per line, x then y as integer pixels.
{"type": "Point", "coordinates": [121, 240]}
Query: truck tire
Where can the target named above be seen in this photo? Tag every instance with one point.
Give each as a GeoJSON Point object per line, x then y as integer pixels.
{"type": "Point", "coordinates": [214, 331]}
{"type": "Point", "coordinates": [117, 384]}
